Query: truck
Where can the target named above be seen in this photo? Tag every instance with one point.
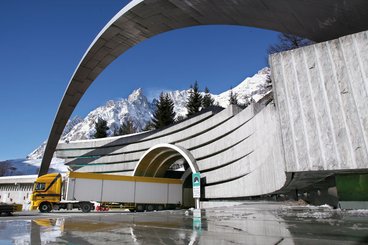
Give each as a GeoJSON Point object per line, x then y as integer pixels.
{"type": "Point", "coordinates": [78, 190]}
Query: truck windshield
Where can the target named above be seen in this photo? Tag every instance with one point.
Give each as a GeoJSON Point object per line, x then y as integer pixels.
{"type": "Point", "coordinates": [39, 186]}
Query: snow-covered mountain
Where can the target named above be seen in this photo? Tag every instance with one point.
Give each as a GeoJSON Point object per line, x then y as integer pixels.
{"type": "Point", "coordinates": [136, 108]}
{"type": "Point", "coordinates": [29, 166]}
{"type": "Point", "coordinates": [252, 89]}
{"type": "Point", "coordinates": [139, 110]}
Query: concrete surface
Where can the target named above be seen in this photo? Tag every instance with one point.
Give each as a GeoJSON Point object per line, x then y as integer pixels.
{"type": "Point", "coordinates": [140, 20]}
{"type": "Point", "coordinates": [229, 148]}
{"type": "Point", "coordinates": [321, 94]}
{"type": "Point", "coordinates": [249, 223]}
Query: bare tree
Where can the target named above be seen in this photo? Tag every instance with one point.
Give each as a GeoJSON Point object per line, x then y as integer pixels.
{"type": "Point", "coordinates": [288, 42]}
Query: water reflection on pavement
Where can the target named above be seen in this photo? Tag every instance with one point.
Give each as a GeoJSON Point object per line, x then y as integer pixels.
{"type": "Point", "coordinates": [249, 223]}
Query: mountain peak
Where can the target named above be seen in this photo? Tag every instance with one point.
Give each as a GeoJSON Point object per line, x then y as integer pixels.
{"type": "Point", "coordinates": [264, 71]}
{"type": "Point", "coordinates": [136, 95]}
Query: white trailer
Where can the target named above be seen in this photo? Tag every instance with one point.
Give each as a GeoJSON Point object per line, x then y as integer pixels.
{"type": "Point", "coordinates": [79, 190]}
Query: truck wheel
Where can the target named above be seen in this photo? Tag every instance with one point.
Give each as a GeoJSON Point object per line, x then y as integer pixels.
{"type": "Point", "coordinates": [140, 208]}
{"type": "Point", "coordinates": [86, 207]}
{"type": "Point", "coordinates": [45, 207]}
{"type": "Point", "coordinates": [56, 207]}
{"type": "Point", "coordinates": [160, 207]}
{"type": "Point", "coordinates": [150, 207]}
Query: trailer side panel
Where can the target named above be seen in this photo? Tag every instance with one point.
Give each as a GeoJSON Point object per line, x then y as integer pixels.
{"type": "Point", "coordinates": [148, 192]}
{"type": "Point", "coordinates": [175, 194]}
{"type": "Point", "coordinates": [85, 190]}
{"type": "Point", "coordinates": [123, 189]}
{"type": "Point", "coordinates": [118, 191]}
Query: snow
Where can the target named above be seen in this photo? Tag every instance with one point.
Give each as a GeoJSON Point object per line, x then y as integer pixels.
{"type": "Point", "coordinates": [358, 212]}
{"type": "Point", "coordinates": [31, 166]}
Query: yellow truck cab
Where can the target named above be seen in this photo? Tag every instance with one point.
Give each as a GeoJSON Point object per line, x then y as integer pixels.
{"type": "Point", "coordinates": [46, 192]}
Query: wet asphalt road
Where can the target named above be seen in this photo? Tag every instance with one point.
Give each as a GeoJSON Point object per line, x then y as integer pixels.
{"type": "Point", "coordinates": [249, 223]}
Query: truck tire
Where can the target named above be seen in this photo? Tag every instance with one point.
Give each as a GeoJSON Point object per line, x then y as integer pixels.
{"type": "Point", "coordinates": [150, 207]}
{"type": "Point", "coordinates": [140, 208]}
{"type": "Point", "coordinates": [160, 207]}
{"type": "Point", "coordinates": [56, 207]}
{"type": "Point", "coordinates": [45, 207]}
{"type": "Point", "coordinates": [86, 207]}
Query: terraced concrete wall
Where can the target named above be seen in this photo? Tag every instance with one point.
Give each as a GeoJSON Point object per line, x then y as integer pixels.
{"type": "Point", "coordinates": [255, 166]}
{"type": "Point", "coordinates": [234, 149]}
{"type": "Point", "coordinates": [121, 154]}
{"type": "Point", "coordinates": [321, 93]}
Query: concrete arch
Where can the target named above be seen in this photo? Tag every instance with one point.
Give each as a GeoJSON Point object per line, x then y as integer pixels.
{"type": "Point", "coordinates": [158, 158]}
{"type": "Point", "coordinates": [142, 19]}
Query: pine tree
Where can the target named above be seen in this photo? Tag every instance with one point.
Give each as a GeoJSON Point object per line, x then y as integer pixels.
{"type": "Point", "coordinates": [149, 126]}
{"type": "Point", "coordinates": [194, 102]}
{"type": "Point", "coordinates": [127, 128]}
{"type": "Point", "coordinates": [4, 167]}
{"type": "Point", "coordinates": [164, 114]}
{"type": "Point", "coordinates": [180, 118]}
{"type": "Point", "coordinates": [101, 128]}
{"type": "Point", "coordinates": [233, 98]}
{"type": "Point", "coordinates": [207, 99]}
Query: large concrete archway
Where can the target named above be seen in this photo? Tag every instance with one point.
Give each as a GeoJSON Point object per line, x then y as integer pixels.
{"type": "Point", "coordinates": [142, 19]}
{"type": "Point", "coordinates": [156, 161]}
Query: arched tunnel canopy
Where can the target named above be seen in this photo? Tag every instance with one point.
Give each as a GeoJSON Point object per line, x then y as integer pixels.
{"type": "Point", "coordinates": [156, 160]}
{"type": "Point", "coordinates": [142, 19]}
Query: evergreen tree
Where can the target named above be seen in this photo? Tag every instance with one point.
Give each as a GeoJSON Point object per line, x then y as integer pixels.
{"type": "Point", "coordinates": [194, 102]}
{"type": "Point", "coordinates": [180, 118]}
{"type": "Point", "coordinates": [4, 167]}
{"type": "Point", "coordinates": [164, 114]}
{"type": "Point", "coordinates": [101, 128]}
{"type": "Point", "coordinates": [207, 99]}
{"type": "Point", "coordinates": [288, 42]}
{"type": "Point", "coordinates": [149, 126]}
{"type": "Point", "coordinates": [233, 98]}
{"type": "Point", "coordinates": [126, 128]}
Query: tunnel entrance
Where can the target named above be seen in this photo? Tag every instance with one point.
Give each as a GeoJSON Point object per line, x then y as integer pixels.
{"type": "Point", "coordinates": [169, 161]}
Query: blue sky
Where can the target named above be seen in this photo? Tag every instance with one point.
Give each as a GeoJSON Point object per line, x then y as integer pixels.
{"type": "Point", "coordinates": [42, 42]}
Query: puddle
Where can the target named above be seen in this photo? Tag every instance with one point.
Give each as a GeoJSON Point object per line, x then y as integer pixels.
{"type": "Point", "coordinates": [245, 224]}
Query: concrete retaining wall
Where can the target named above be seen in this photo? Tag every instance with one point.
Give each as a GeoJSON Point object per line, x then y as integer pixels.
{"type": "Point", "coordinates": [322, 98]}
{"type": "Point", "coordinates": [262, 171]}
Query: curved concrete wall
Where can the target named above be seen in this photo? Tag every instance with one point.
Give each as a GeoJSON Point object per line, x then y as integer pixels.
{"type": "Point", "coordinates": [113, 152]}
{"type": "Point", "coordinates": [139, 20]}
{"type": "Point", "coordinates": [260, 172]}
{"type": "Point", "coordinates": [229, 147]}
